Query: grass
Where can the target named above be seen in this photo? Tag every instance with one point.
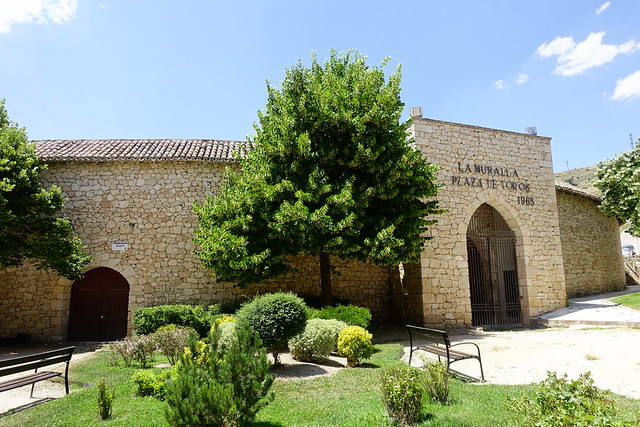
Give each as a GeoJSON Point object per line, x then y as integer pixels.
{"type": "Point", "coordinates": [80, 408]}
{"type": "Point", "coordinates": [582, 178]}
{"type": "Point", "coordinates": [349, 398]}
{"type": "Point", "coordinates": [631, 300]}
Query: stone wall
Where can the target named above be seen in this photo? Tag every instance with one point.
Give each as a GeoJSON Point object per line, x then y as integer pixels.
{"type": "Point", "coordinates": [513, 173]}
{"type": "Point", "coordinates": [590, 246]}
{"type": "Point", "coordinates": [148, 205]}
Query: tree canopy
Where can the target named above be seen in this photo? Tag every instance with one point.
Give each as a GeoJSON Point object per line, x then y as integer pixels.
{"type": "Point", "coordinates": [330, 172]}
{"type": "Point", "coordinates": [619, 181]}
{"type": "Point", "coordinates": [30, 225]}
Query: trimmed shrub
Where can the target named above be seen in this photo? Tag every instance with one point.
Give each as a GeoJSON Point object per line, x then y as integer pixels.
{"type": "Point", "coordinates": [336, 327]}
{"type": "Point", "coordinates": [354, 343]}
{"type": "Point", "coordinates": [312, 313]}
{"type": "Point", "coordinates": [437, 382]}
{"type": "Point", "coordinates": [232, 306]}
{"type": "Point", "coordinates": [171, 340]}
{"type": "Point", "coordinates": [147, 320]}
{"type": "Point", "coordinates": [276, 317]}
{"type": "Point", "coordinates": [316, 301]}
{"type": "Point", "coordinates": [402, 390]}
{"type": "Point", "coordinates": [139, 348]}
{"type": "Point", "coordinates": [150, 383]}
{"type": "Point", "coordinates": [317, 341]}
{"type": "Point", "coordinates": [560, 402]}
{"type": "Point", "coordinates": [349, 314]}
{"type": "Point", "coordinates": [227, 332]}
{"type": "Point", "coordinates": [220, 385]}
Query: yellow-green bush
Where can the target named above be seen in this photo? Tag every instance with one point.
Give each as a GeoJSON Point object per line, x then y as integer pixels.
{"type": "Point", "coordinates": [150, 383]}
{"type": "Point", "coordinates": [354, 343]}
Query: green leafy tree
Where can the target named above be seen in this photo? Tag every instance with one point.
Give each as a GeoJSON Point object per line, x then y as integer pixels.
{"type": "Point", "coordinates": [619, 181]}
{"type": "Point", "coordinates": [331, 173]}
{"type": "Point", "coordinates": [30, 228]}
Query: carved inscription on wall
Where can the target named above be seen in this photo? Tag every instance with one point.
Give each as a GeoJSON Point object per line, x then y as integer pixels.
{"type": "Point", "coordinates": [492, 177]}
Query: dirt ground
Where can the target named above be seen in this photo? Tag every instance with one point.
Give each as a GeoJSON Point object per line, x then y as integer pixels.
{"type": "Point", "coordinates": [612, 355]}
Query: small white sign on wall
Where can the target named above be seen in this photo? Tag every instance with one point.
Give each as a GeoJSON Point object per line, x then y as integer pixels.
{"type": "Point", "coordinates": [119, 245]}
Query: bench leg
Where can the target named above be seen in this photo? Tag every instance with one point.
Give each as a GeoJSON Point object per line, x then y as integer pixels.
{"type": "Point", "coordinates": [481, 370]}
{"type": "Point", "coordinates": [32, 387]}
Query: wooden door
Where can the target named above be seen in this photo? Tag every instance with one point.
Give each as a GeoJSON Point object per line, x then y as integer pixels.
{"type": "Point", "coordinates": [99, 306]}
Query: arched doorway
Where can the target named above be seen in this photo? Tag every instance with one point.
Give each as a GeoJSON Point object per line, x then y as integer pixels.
{"type": "Point", "coordinates": [493, 276]}
{"type": "Point", "coordinates": [99, 306]}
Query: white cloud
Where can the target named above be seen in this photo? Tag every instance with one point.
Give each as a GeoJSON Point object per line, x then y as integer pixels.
{"type": "Point", "coordinates": [522, 78]}
{"type": "Point", "coordinates": [39, 11]}
{"type": "Point", "coordinates": [558, 46]}
{"type": "Point", "coordinates": [628, 87]}
{"type": "Point", "coordinates": [576, 58]}
{"type": "Point", "coordinates": [499, 84]}
{"type": "Point", "coordinates": [604, 7]}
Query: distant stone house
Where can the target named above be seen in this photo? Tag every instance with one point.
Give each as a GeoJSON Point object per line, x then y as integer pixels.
{"type": "Point", "coordinates": [507, 249]}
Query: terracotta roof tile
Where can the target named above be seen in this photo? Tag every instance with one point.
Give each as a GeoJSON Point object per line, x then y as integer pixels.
{"type": "Point", "coordinates": [572, 189]}
{"type": "Point", "coordinates": [110, 150]}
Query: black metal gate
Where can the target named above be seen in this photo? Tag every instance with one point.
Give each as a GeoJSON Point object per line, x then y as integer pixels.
{"type": "Point", "coordinates": [493, 278]}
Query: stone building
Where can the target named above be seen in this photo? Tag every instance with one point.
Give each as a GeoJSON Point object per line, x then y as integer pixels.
{"type": "Point", "coordinates": [496, 258]}
{"type": "Point", "coordinates": [590, 244]}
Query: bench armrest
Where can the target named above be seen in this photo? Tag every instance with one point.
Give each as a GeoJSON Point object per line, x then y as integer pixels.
{"type": "Point", "coordinates": [467, 343]}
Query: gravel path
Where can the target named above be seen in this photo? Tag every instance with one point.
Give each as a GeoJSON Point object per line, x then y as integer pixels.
{"type": "Point", "coordinates": [612, 355]}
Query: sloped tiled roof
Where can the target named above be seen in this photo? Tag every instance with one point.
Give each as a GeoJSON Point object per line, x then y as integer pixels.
{"type": "Point", "coordinates": [572, 189]}
{"type": "Point", "coordinates": [110, 150]}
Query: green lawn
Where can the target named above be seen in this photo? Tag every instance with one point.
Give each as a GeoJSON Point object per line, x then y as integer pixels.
{"type": "Point", "coordinates": [631, 300]}
{"type": "Point", "coordinates": [349, 398]}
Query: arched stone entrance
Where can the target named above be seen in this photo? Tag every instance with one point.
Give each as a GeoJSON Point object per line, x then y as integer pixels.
{"type": "Point", "coordinates": [99, 306]}
{"type": "Point", "coordinates": [493, 276]}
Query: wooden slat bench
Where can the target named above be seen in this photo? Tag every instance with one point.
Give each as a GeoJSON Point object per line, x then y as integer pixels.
{"type": "Point", "coordinates": [19, 364]}
{"type": "Point", "coordinates": [438, 343]}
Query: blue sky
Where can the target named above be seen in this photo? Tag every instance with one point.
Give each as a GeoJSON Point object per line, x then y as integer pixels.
{"type": "Point", "coordinates": [196, 69]}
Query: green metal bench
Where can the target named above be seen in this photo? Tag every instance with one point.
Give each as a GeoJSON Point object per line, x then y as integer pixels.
{"type": "Point", "coordinates": [438, 343]}
{"type": "Point", "coordinates": [19, 364]}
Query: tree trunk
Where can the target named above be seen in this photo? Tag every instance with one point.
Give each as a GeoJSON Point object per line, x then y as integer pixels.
{"type": "Point", "coordinates": [325, 279]}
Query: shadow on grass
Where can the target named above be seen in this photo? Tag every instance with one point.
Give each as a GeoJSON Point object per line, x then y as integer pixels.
{"type": "Point", "coordinates": [424, 417]}
{"type": "Point", "coordinates": [367, 366]}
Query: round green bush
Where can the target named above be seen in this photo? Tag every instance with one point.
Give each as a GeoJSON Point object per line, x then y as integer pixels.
{"type": "Point", "coordinates": [350, 314]}
{"type": "Point", "coordinates": [354, 343]}
{"type": "Point", "coordinates": [276, 317]}
{"type": "Point", "coordinates": [317, 341]}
